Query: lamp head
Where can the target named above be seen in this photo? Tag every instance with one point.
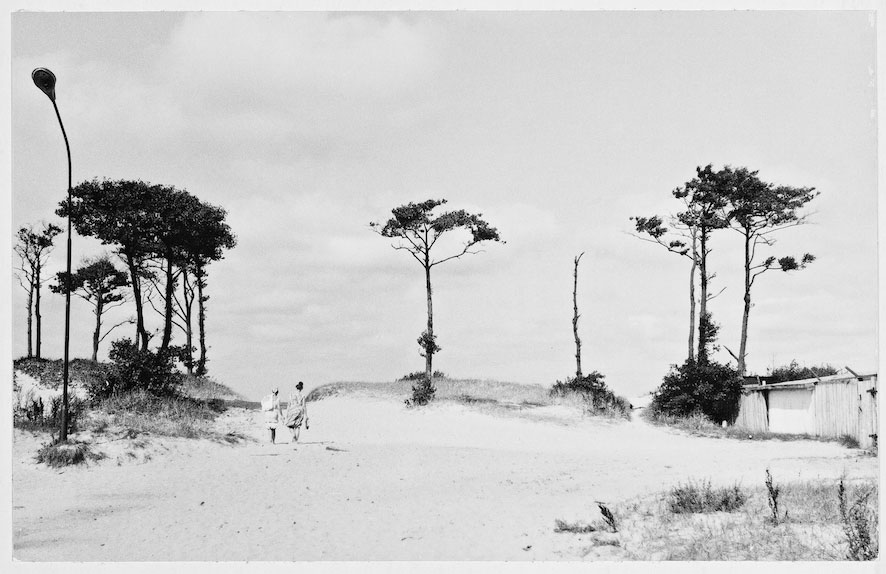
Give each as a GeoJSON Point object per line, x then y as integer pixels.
{"type": "Point", "coordinates": [45, 80]}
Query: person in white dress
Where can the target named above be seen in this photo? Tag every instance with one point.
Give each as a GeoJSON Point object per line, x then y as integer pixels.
{"type": "Point", "coordinates": [273, 412]}
{"type": "Point", "coordinates": [296, 411]}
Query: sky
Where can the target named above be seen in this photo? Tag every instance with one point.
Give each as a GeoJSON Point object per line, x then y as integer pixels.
{"type": "Point", "coordinates": [556, 126]}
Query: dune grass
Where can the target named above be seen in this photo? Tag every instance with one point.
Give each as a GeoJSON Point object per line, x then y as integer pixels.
{"type": "Point", "coordinates": [68, 453]}
{"type": "Point", "coordinates": [651, 529]}
{"type": "Point", "coordinates": [467, 391]}
{"type": "Point", "coordinates": [699, 425]}
{"type": "Point", "coordinates": [166, 416]}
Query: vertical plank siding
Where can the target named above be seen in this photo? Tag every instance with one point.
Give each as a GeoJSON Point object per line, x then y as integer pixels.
{"type": "Point", "coordinates": [832, 406]}
{"type": "Point", "coordinates": [752, 412]}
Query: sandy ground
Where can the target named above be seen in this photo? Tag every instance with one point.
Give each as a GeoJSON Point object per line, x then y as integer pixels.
{"type": "Point", "coordinates": [372, 480]}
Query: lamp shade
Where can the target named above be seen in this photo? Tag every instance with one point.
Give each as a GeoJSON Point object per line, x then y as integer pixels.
{"type": "Point", "coordinates": [45, 80]}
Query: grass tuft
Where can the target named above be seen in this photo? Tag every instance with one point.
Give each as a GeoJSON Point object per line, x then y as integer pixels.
{"type": "Point", "coordinates": [63, 454]}
{"type": "Point", "coordinates": [573, 527]}
{"type": "Point", "coordinates": [692, 498]}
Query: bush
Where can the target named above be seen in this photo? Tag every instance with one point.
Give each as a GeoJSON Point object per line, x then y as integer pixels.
{"type": "Point", "coordinates": [422, 392]}
{"type": "Point", "coordinates": [794, 372]}
{"type": "Point", "coordinates": [710, 388]}
{"type": "Point", "coordinates": [599, 398]}
{"type": "Point", "coordinates": [135, 369]}
{"type": "Point", "coordinates": [695, 498]}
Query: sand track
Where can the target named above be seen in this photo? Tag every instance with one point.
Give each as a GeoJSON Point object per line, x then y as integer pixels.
{"type": "Point", "coordinates": [372, 480]}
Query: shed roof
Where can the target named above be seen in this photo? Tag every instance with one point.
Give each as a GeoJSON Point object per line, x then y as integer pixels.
{"type": "Point", "coordinates": [808, 383]}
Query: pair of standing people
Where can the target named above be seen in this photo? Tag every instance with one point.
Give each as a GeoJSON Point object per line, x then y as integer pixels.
{"type": "Point", "coordinates": [296, 412]}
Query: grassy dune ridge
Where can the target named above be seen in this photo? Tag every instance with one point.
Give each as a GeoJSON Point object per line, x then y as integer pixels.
{"type": "Point", "coordinates": [458, 390]}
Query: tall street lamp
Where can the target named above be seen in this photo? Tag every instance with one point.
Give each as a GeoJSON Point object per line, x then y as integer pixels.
{"type": "Point", "coordinates": [45, 80]}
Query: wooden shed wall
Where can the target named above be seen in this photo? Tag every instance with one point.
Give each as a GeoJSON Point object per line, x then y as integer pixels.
{"type": "Point", "coordinates": [752, 412]}
{"type": "Point", "coordinates": [837, 407]}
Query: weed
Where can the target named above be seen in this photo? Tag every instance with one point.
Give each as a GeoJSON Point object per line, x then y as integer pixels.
{"type": "Point", "coordinates": [696, 498]}
{"type": "Point", "coordinates": [608, 517]}
{"type": "Point", "coordinates": [772, 492]}
{"type": "Point", "coordinates": [857, 525]}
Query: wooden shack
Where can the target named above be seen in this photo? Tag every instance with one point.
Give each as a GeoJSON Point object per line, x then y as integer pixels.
{"type": "Point", "coordinates": [832, 406]}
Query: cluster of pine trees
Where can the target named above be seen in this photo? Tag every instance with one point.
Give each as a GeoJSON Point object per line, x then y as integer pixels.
{"type": "Point", "coordinates": [164, 237]}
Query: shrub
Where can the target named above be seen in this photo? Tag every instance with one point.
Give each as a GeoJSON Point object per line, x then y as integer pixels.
{"type": "Point", "coordinates": [696, 498]}
{"type": "Point", "coordinates": [709, 388]}
{"type": "Point", "coordinates": [133, 368]}
{"type": "Point", "coordinates": [794, 372]}
{"type": "Point", "coordinates": [599, 398]}
{"type": "Point", "coordinates": [422, 392]}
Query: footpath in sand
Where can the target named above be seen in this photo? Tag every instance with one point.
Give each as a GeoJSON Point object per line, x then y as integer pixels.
{"type": "Point", "coordinates": [372, 480]}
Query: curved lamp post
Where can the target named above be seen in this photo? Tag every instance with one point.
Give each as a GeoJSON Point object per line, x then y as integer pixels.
{"type": "Point", "coordinates": [45, 80]}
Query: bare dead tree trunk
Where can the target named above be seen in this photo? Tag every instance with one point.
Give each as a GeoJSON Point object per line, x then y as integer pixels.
{"type": "Point", "coordinates": [37, 315]}
{"type": "Point", "coordinates": [575, 317]}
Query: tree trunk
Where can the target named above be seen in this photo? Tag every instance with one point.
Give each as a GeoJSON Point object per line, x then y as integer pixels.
{"type": "Point", "coordinates": [141, 335]}
{"type": "Point", "coordinates": [742, 348]}
{"type": "Point", "coordinates": [703, 299]}
{"type": "Point", "coordinates": [429, 351]}
{"type": "Point", "coordinates": [167, 310]}
{"type": "Point", "coordinates": [37, 316]}
{"type": "Point", "coordinates": [575, 321]}
{"type": "Point", "coordinates": [187, 300]}
{"type": "Point", "coordinates": [31, 320]}
{"type": "Point", "coordinates": [201, 319]}
{"type": "Point", "coordinates": [96, 335]}
{"type": "Point", "coordinates": [692, 299]}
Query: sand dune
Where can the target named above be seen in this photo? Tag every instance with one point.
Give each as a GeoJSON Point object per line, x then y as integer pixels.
{"type": "Point", "coordinates": [372, 480]}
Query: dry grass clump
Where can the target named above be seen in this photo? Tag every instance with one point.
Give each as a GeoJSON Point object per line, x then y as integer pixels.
{"type": "Point", "coordinates": [68, 453]}
{"type": "Point", "coordinates": [573, 527]}
{"type": "Point", "coordinates": [700, 497]}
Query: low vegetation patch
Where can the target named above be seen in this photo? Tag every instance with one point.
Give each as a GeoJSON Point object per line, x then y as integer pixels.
{"type": "Point", "coordinates": [794, 372]}
{"type": "Point", "coordinates": [69, 453]}
{"type": "Point", "coordinates": [698, 424]}
{"type": "Point", "coordinates": [167, 416]}
{"type": "Point", "coordinates": [701, 497]}
{"type": "Point", "coordinates": [829, 520]}
{"type": "Point", "coordinates": [468, 391]}
{"type": "Point", "coordinates": [573, 527]}
{"type": "Point", "coordinates": [598, 399]}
